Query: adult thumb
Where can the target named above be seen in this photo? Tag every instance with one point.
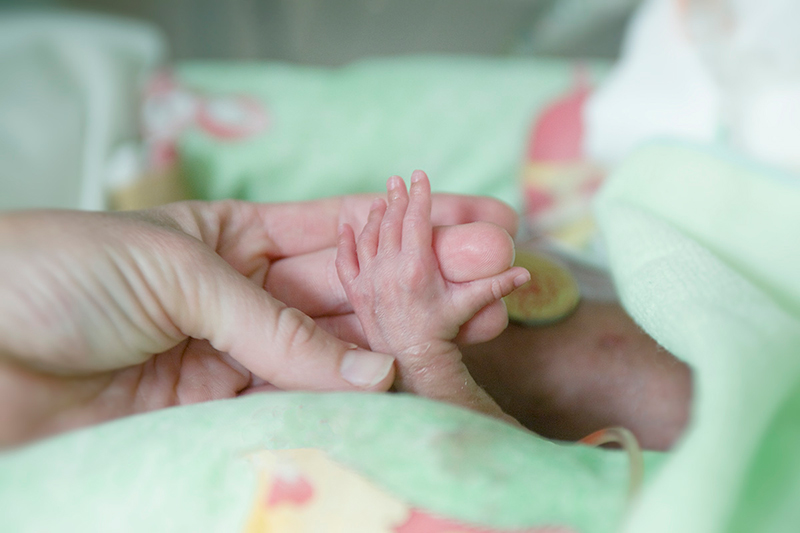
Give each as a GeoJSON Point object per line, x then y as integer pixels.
{"type": "Point", "coordinates": [277, 343]}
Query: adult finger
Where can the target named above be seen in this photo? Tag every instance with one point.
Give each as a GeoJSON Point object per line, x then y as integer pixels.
{"type": "Point", "coordinates": [477, 250]}
{"type": "Point", "coordinates": [345, 327]}
{"type": "Point", "coordinates": [465, 252]}
{"type": "Point", "coordinates": [207, 299]}
{"type": "Point", "coordinates": [296, 228]}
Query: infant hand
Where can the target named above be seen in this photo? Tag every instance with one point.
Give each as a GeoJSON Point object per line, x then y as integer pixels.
{"type": "Point", "coordinates": [393, 281]}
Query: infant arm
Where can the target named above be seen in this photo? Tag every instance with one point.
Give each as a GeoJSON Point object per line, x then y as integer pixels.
{"type": "Point", "coordinates": [404, 303]}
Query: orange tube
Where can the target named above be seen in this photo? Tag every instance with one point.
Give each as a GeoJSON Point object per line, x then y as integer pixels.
{"type": "Point", "coordinates": [628, 441]}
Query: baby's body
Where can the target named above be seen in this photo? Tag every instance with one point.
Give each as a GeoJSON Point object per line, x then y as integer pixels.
{"type": "Point", "coordinates": [594, 369]}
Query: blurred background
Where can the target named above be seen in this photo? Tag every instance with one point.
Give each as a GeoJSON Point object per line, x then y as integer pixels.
{"type": "Point", "coordinates": [325, 32]}
{"type": "Point", "coordinates": [126, 104]}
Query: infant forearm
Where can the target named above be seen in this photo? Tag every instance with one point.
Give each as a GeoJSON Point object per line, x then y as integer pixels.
{"type": "Point", "coordinates": [435, 370]}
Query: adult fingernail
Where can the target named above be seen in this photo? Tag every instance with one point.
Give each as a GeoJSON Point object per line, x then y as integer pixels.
{"type": "Point", "coordinates": [522, 279]}
{"type": "Point", "coordinates": [365, 369]}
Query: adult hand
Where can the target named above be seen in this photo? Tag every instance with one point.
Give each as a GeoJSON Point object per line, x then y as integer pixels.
{"type": "Point", "coordinates": [103, 315]}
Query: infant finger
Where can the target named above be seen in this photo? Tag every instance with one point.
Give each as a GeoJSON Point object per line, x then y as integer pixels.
{"type": "Point", "coordinates": [369, 239]}
{"type": "Point", "coordinates": [346, 256]}
{"type": "Point", "coordinates": [392, 225]}
{"type": "Point", "coordinates": [487, 324]}
{"type": "Point", "coordinates": [417, 229]}
{"type": "Point", "coordinates": [446, 209]}
{"type": "Point", "coordinates": [473, 296]}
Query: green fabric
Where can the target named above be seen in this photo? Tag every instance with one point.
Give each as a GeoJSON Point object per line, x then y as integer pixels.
{"type": "Point", "coordinates": [704, 250]}
{"type": "Point", "coordinates": [465, 121]}
{"type": "Point", "coordinates": [185, 469]}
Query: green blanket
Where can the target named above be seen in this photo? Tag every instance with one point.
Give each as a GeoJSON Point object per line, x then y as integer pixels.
{"type": "Point", "coordinates": [704, 248]}
{"type": "Point", "coordinates": [192, 468]}
{"type": "Point", "coordinates": [465, 121]}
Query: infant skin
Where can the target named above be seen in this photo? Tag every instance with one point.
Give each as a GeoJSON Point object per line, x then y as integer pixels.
{"type": "Point", "coordinates": [406, 306]}
{"type": "Point", "coordinates": [592, 370]}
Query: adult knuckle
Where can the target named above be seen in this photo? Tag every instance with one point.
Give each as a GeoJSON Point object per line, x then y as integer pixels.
{"type": "Point", "coordinates": [497, 289]}
{"type": "Point", "coordinates": [295, 330]}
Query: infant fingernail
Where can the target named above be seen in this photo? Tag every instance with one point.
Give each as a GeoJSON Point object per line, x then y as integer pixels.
{"type": "Point", "coordinates": [365, 369]}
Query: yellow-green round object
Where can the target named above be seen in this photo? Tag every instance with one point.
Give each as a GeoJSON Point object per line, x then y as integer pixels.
{"type": "Point", "coordinates": [550, 295]}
